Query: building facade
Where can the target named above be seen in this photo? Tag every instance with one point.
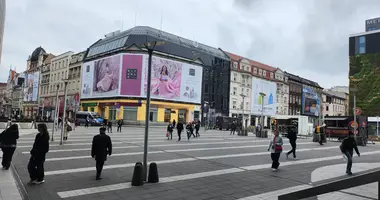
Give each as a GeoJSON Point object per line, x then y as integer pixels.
{"type": "Point", "coordinates": [176, 94]}
{"type": "Point", "coordinates": [2, 23]}
{"type": "Point", "coordinates": [295, 94]}
{"type": "Point", "coordinates": [333, 105]}
{"type": "Point", "coordinates": [74, 85]}
{"type": "Point", "coordinates": [282, 92]}
{"type": "Point", "coordinates": [364, 72]}
{"type": "Point", "coordinates": [59, 69]}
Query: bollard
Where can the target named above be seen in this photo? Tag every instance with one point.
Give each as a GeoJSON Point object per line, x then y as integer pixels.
{"type": "Point", "coordinates": [153, 173]}
{"type": "Point", "coordinates": [137, 179]}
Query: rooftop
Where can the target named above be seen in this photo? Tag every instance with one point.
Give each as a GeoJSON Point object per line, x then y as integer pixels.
{"type": "Point", "coordinates": [252, 62]}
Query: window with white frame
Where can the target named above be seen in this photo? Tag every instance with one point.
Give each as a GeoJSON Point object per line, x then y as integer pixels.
{"type": "Point", "coordinates": [271, 75]}
{"type": "Point", "coordinates": [234, 91]}
{"type": "Point", "coordinates": [235, 65]}
{"type": "Point", "coordinates": [235, 76]}
{"type": "Point", "coordinates": [233, 104]}
{"type": "Point", "coordinates": [255, 70]}
{"type": "Point", "coordinates": [260, 72]}
{"type": "Point", "coordinates": [264, 73]}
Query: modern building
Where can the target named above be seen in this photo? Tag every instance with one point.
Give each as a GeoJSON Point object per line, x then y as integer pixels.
{"type": "Point", "coordinates": [304, 98]}
{"type": "Point", "coordinates": [31, 102]}
{"type": "Point", "coordinates": [185, 76]}
{"type": "Point", "coordinates": [59, 69]}
{"type": "Point", "coordinates": [364, 72]}
{"type": "Point", "coordinates": [332, 104]}
{"type": "Point", "coordinates": [2, 23]}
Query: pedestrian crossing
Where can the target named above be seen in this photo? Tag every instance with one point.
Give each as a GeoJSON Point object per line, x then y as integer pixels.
{"type": "Point", "coordinates": [215, 155]}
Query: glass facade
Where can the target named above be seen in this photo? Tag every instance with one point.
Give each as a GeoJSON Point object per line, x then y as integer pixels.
{"type": "Point", "coordinates": [362, 44]}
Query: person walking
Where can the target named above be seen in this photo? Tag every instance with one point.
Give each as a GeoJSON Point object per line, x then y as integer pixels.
{"type": "Point", "coordinates": [275, 146]}
{"type": "Point", "coordinates": [174, 123]}
{"type": "Point", "coordinates": [347, 147]}
{"type": "Point", "coordinates": [169, 130]}
{"type": "Point", "coordinates": [8, 142]}
{"type": "Point", "coordinates": [119, 125]}
{"type": "Point", "coordinates": [38, 155]}
{"type": "Point", "coordinates": [233, 128]}
{"type": "Point", "coordinates": [197, 127]}
{"type": "Point", "coordinates": [109, 126]}
{"type": "Point", "coordinates": [101, 146]}
{"type": "Point", "coordinates": [66, 129]}
{"type": "Point", "coordinates": [179, 130]}
{"type": "Point", "coordinates": [190, 130]}
{"type": "Point", "coordinates": [292, 136]}
{"type": "Point", "coordinates": [87, 122]}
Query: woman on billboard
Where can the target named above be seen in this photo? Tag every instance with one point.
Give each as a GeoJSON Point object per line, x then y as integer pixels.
{"type": "Point", "coordinates": [164, 85]}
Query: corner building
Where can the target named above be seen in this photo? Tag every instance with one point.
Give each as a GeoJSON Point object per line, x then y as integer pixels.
{"type": "Point", "coordinates": [185, 76]}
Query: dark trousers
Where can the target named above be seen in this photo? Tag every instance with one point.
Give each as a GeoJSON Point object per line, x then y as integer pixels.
{"type": "Point", "coordinates": [7, 156]}
{"type": "Point", "coordinates": [294, 145]}
{"type": "Point", "coordinates": [170, 135]}
{"type": "Point", "coordinates": [192, 132]}
{"type": "Point", "coordinates": [349, 155]}
{"type": "Point", "coordinates": [197, 132]}
{"type": "Point", "coordinates": [86, 125]}
{"type": "Point", "coordinates": [321, 138]}
{"type": "Point", "coordinates": [275, 157]}
{"type": "Point", "coordinates": [232, 131]}
{"type": "Point", "coordinates": [179, 134]}
{"type": "Point", "coordinates": [109, 129]}
{"type": "Point", "coordinates": [36, 168]}
{"type": "Point", "coordinates": [119, 128]}
{"type": "Point", "coordinates": [99, 167]}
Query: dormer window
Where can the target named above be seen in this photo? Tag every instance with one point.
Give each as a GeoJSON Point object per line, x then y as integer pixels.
{"type": "Point", "coordinates": [264, 73]}
{"type": "Point", "coordinates": [255, 70]}
{"type": "Point", "coordinates": [271, 75]}
{"type": "Point", "coordinates": [235, 65]}
{"type": "Point", "coordinates": [260, 72]}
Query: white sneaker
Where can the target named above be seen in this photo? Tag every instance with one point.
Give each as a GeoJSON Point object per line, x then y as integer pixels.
{"type": "Point", "coordinates": [39, 182]}
{"type": "Point", "coordinates": [274, 169]}
{"type": "Point", "coordinates": [296, 158]}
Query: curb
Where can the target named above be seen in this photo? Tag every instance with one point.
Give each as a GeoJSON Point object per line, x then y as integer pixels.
{"type": "Point", "coordinates": [20, 186]}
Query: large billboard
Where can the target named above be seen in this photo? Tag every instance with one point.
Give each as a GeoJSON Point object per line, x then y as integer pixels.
{"type": "Point", "coordinates": [310, 102]}
{"type": "Point", "coordinates": [32, 81]}
{"type": "Point", "coordinates": [270, 90]}
{"type": "Point", "coordinates": [126, 75]}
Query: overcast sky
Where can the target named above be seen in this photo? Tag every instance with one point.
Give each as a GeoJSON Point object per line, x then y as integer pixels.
{"type": "Point", "coordinates": [307, 38]}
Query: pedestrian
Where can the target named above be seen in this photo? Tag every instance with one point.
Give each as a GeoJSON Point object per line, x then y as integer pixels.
{"type": "Point", "coordinates": [169, 130]}
{"type": "Point", "coordinates": [8, 142]}
{"type": "Point", "coordinates": [179, 130]}
{"type": "Point", "coordinates": [197, 127]}
{"type": "Point", "coordinates": [190, 130]}
{"type": "Point", "coordinates": [174, 122]}
{"type": "Point", "coordinates": [87, 122]}
{"type": "Point", "coordinates": [347, 147]}
{"type": "Point", "coordinates": [101, 146]}
{"type": "Point", "coordinates": [109, 126]}
{"type": "Point", "coordinates": [66, 129]}
{"type": "Point", "coordinates": [275, 146]}
{"type": "Point", "coordinates": [233, 128]}
{"type": "Point", "coordinates": [119, 125]}
{"type": "Point", "coordinates": [105, 123]}
{"type": "Point", "coordinates": [38, 155]}
{"type": "Point", "coordinates": [292, 136]}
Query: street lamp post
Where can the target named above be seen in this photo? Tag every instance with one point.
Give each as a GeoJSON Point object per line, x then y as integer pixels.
{"type": "Point", "coordinates": [150, 47]}
{"type": "Point", "coordinates": [64, 111]}
{"type": "Point", "coordinates": [262, 94]}
{"type": "Point", "coordinates": [243, 121]}
{"type": "Point", "coordinates": [55, 119]}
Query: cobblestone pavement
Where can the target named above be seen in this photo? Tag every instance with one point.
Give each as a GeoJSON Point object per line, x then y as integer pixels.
{"type": "Point", "coordinates": [214, 166]}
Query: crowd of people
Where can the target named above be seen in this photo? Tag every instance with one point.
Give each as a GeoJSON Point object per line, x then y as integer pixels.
{"type": "Point", "coordinates": [190, 128]}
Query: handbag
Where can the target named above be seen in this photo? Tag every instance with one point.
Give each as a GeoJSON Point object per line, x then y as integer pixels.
{"type": "Point", "coordinates": [276, 147]}
{"type": "Point", "coordinates": [69, 128]}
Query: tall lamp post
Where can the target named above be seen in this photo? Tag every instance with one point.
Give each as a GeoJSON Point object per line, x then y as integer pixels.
{"type": "Point", "coordinates": [262, 95]}
{"type": "Point", "coordinates": [150, 46]}
{"type": "Point", "coordinates": [353, 90]}
{"type": "Point", "coordinates": [243, 121]}
{"type": "Point", "coordinates": [55, 119]}
{"type": "Point", "coordinates": [64, 110]}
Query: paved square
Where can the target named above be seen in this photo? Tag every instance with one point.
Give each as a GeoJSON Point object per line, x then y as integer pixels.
{"type": "Point", "coordinates": [213, 166]}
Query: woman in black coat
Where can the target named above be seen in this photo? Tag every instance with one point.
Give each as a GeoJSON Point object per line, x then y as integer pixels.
{"type": "Point", "coordinates": [8, 142]}
{"type": "Point", "coordinates": [38, 155]}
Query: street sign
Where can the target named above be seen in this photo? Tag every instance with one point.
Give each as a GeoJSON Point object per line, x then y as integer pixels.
{"type": "Point", "coordinates": [358, 111]}
{"type": "Point", "coordinates": [353, 124]}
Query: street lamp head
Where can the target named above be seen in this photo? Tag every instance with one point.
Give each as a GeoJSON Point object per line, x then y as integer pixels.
{"type": "Point", "coordinates": [262, 94]}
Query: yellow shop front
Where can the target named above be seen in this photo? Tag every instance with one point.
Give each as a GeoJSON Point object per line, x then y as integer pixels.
{"type": "Point", "coordinates": [135, 110]}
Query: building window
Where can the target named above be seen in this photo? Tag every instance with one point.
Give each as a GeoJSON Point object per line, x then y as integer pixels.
{"type": "Point", "coordinates": [264, 73]}
{"type": "Point", "coordinates": [233, 104]}
{"type": "Point", "coordinates": [271, 75]}
{"type": "Point", "coordinates": [234, 91]}
{"type": "Point", "coordinates": [167, 115]}
{"type": "Point", "coordinates": [235, 76]}
{"type": "Point", "coordinates": [255, 70]}
{"type": "Point", "coordinates": [130, 113]}
{"type": "Point", "coordinates": [112, 113]}
{"type": "Point", "coordinates": [235, 65]}
{"type": "Point", "coordinates": [362, 44]}
{"type": "Point", "coordinates": [260, 72]}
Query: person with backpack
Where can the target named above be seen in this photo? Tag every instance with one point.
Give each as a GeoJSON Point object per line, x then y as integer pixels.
{"type": "Point", "coordinates": [347, 148]}
{"type": "Point", "coordinates": [8, 142]}
{"type": "Point", "coordinates": [275, 146]}
{"type": "Point", "coordinates": [169, 130]}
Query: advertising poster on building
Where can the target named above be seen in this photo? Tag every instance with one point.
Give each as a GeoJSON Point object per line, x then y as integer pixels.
{"type": "Point", "coordinates": [106, 76]}
{"type": "Point", "coordinates": [87, 79]}
{"type": "Point", "coordinates": [172, 80]}
{"type": "Point", "coordinates": [28, 90]}
{"type": "Point", "coordinates": [36, 82]}
{"type": "Point", "coordinates": [310, 102]}
{"type": "Point", "coordinates": [131, 75]}
{"type": "Point", "coordinates": [268, 102]}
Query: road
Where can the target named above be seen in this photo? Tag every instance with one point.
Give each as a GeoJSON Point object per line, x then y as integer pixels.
{"type": "Point", "coordinates": [214, 166]}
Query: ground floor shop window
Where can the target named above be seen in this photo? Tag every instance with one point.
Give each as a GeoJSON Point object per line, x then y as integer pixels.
{"type": "Point", "coordinates": [167, 115]}
{"type": "Point", "coordinates": [130, 113]}
{"type": "Point", "coordinates": [153, 115]}
{"type": "Point", "coordinates": [112, 113]}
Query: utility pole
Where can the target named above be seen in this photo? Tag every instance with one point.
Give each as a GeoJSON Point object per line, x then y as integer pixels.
{"type": "Point", "coordinates": [55, 119]}
{"type": "Point", "coordinates": [262, 94]}
{"type": "Point", "coordinates": [354, 116]}
{"type": "Point", "coordinates": [243, 120]}
{"type": "Point", "coordinates": [64, 112]}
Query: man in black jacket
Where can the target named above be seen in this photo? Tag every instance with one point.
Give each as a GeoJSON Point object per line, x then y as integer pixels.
{"type": "Point", "coordinates": [101, 146]}
{"type": "Point", "coordinates": [347, 146]}
{"type": "Point", "coordinates": [292, 136]}
{"type": "Point", "coordinates": [8, 141]}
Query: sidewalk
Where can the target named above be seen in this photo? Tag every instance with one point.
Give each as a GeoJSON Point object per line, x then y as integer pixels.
{"type": "Point", "coordinates": [8, 186]}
